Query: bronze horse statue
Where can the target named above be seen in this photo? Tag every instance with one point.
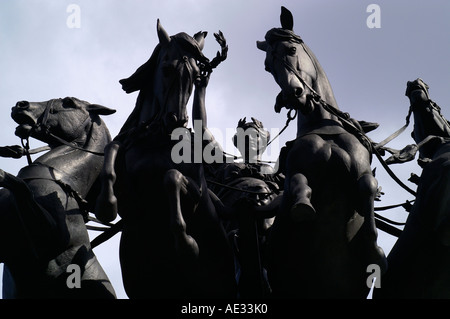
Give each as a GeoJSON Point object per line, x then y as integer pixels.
{"type": "Point", "coordinates": [173, 244]}
{"type": "Point", "coordinates": [43, 209]}
{"type": "Point", "coordinates": [420, 259]}
{"type": "Point", "coordinates": [324, 236]}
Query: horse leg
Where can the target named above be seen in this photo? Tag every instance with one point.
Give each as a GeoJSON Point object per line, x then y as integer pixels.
{"type": "Point", "coordinates": [300, 192]}
{"type": "Point", "coordinates": [176, 184]}
{"type": "Point", "coordinates": [106, 205]}
{"type": "Point", "coordinates": [367, 187]}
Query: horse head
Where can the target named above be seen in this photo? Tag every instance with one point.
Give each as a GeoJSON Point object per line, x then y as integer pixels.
{"type": "Point", "coordinates": [166, 80]}
{"type": "Point", "coordinates": [428, 120]}
{"type": "Point", "coordinates": [294, 67]}
{"type": "Point", "coordinates": [417, 91]}
{"type": "Point", "coordinates": [68, 119]}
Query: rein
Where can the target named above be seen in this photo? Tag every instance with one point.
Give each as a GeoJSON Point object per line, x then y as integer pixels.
{"type": "Point", "coordinates": [290, 117]}
{"type": "Point", "coordinates": [43, 126]}
{"type": "Point", "coordinates": [345, 119]}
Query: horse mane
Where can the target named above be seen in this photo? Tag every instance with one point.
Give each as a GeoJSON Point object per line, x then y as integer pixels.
{"type": "Point", "coordinates": [322, 84]}
{"type": "Point", "coordinates": [141, 81]}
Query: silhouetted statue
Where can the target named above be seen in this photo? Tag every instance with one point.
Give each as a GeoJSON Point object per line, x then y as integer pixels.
{"type": "Point", "coordinates": [419, 262]}
{"type": "Point", "coordinates": [43, 209]}
{"type": "Point", "coordinates": [324, 235]}
{"type": "Point", "coordinates": [173, 244]}
{"type": "Point", "coordinates": [245, 186]}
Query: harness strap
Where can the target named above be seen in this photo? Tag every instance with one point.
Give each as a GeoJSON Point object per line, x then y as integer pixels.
{"type": "Point", "coordinates": [72, 145]}
{"type": "Point", "coordinates": [107, 234]}
{"type": "Point", "coordinates": [289, 119]}
{"type": "Point", "coordinates": [26, 148]}
{"type": "Point", "coordinates": [344, 118]}
{"type": "Point", "coordinates": [52, 174]}
{"type": "Point", "coordinates": [396, 133]}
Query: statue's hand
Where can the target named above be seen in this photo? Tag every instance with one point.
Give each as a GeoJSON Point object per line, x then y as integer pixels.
{"type": "Point", "coordinates": [222, 55]}
{"type": "Point", "coordinates": [221, 40]}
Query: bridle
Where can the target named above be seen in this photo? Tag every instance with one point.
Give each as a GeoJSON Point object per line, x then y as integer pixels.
{"type": "Point", "coordinates": [292, 69]}
{"type": "Point", "coordinates": [315, 95]}
{"type": "Point", "coordinates": [346, 119]}
{"type": "Point", "coordinates": [183, 62]}
{"type": "Point", "coordinates": [42, 127]}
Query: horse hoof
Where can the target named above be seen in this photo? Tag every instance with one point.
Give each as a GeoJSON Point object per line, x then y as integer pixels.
{"type": "Point", "coordinates": [302, 211]}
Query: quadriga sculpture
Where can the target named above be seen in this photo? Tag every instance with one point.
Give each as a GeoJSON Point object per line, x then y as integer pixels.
{"type": "Point", "coordinates": [173, 244]}
{"type": "Point", "coordinates": [324, 236]}
{"type": "Point", "coordinates": [43, 209]}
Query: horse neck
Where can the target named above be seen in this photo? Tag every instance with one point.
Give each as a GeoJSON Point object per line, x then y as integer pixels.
{"type": "Point", "coordinates": [319, 118]}
{"type": "Point", "coordinates": [321, 85]}
{"type": "Point", "coordinates": [148, 106]}
{"type": "Point", "coordinates": [79, 167]}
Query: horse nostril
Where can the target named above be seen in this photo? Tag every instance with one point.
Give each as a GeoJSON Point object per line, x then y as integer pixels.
{"type": "Point", "coordinates": [298, 92]}
{"type": "Point", "coordinates": [23, 104]}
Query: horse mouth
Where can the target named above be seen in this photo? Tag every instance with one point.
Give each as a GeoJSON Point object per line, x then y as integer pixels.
{"type": "Point", "coordinates": [22, 116]}
{"type": "Point", "coordinates": [292, 102]}
{"type": "Point", "coordinates": [413, 87]}
{"type": "Point", "coordinates": [303, 103]}
{"type": "Point", "coordinates": [25, 121]}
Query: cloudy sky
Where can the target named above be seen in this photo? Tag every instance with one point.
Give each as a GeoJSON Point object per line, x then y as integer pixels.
{"type": "Point", "coordinates": [45, 54]}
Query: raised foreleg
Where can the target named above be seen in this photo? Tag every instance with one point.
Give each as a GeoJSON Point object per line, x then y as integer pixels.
{"type": "Point", "coordinates": [176, 184]}
{"type": "Point", "coordinates": [106, 205]}
{"type": "Point", "coordinates": [367, 190]}
{"type": "Point", "coordinates": [300, 193]}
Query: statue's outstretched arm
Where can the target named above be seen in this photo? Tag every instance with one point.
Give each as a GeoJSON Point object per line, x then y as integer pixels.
{"type": "Point", "coordinates": [199, 110]}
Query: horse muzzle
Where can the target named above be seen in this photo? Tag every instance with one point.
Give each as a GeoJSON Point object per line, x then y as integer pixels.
{"type": "Point", "coordinates": [21, 114]}
{"type": "Point", "coordinates": [299, 101]}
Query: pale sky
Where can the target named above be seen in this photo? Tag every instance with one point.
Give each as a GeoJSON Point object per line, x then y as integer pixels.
{"type": "Point", "coordinates": [42, 58]}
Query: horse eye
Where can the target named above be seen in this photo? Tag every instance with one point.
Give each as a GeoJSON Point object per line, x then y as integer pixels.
{"type": "Point", "coordinates": [292, 50]}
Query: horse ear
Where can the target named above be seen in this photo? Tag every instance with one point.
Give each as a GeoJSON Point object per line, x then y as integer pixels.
{"type": "Point", "coordinates": [262, 45]}
{"type": "Point", "coordinates": [163, 36]}
{"type": "Point", "coordinates": [100, 109]}
{"type": "Point", "coordinates": [286, 18]}
{"type": "Point", "coordinates": [200, 38]}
